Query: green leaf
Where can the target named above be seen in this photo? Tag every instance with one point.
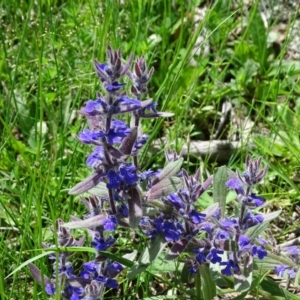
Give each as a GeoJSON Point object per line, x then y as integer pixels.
{"type": "Point", "coordinates": [136, 270]}
{"type": "Point", "coordinates": [242, 282]}
{"type": "Point", "coordinates": [153, 250]}
{"type": "Point", "coordinates": [274, 289]}
{"type": "Point", "coordinates": [126, 260]}
{"type": "Point", "coordinates": [171, 169]}
{"type": "Point", "coordinates": [256, 230]}
{"type": "Point", "coordinates": [100, 190]}
{"type": "Point", "coordinates": [134, 207]}
{"type": "Point", "coordinates": [27, 262]}
{"type": "Point", "coordinates": [259, 36]}
{"type": "Point", "coordinates": [208, 285]}
{"type": "Point", "coordinates": [164, 188]}
{"type": "Point", "coordinates": [219, 188]}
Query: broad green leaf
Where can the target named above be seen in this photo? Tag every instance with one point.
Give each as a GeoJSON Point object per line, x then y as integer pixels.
{"type": "Point", "coordinates": [100, 190]}
{"type": "Point", "coordinates": [215, 270]}
{"type": "Point", "coordinates": [208, 285]}
{"type": "Point", "coordinates": [219, 188]}
{"type": "Point", "coordinates": [255, 231]}
{"type": "Point", "coordinates": [242, 282]}
{"type": "Point", "coordinates": [87, 184]}
{"type": "Point", "coordinates": [274, 289]}
{"type": "Point", "coordinates": [171, 169]}
{"type": "Point", "coordinates": [136, 270]}
{"type": "Point", "coordinates": [135, 208]}
{"type": "Point", "coordinates": [271, 216]}
{"type": "Point", "coordinates": [153, 250]}
{"type": "Point", "coordinates": [87, 223]}
{"type": "Point", "coordinates": [160, 265]}
{"type": "Point", "coordinates": [271, 261]}
{"type": "Point", "coordinates": [259, 36]}
{"type": "Point", "coordinates": [164, 188]}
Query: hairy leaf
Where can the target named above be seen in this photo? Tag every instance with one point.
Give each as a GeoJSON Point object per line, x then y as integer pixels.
{"type": "Point", "coordinates": [153, 250]}
{"type": "Point", "coordinates": [176, 249]}
{"type": "Point", "coordinates": [208, 285]}
{"type": "Point", "coordinates": [135, 208]}
{"type": "Point", "coordinates": [37, 275]}
{"type": "Point", "coordinates": [87, 183]}
{"type": "Point", "coordinates": [87, 223]}
{"type": "Point", "coordinates": [100, 190]}
{"type": "Point", "coordinates": [128, 142]}
{"type": "Point", "coordinates": [219, 188]}
{"type": "Point", "coordinates": [164, 187]}
{"type": "Point", "coordinates": [171, 169]}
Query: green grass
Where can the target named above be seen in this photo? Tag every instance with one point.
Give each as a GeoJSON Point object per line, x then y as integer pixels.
{"type": "Point", "coordinates": [46, 74]}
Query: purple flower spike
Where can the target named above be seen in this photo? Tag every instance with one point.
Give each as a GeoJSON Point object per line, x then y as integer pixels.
{"type": "Point", "coordinates": [294, 252]}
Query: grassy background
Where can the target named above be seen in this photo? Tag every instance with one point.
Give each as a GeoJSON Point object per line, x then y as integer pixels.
{"type": "Point", "coordinates": [46, 74]}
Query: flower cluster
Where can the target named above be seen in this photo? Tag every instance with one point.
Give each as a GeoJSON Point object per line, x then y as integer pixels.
{"type": "Point", "coordinates": [123, 191]}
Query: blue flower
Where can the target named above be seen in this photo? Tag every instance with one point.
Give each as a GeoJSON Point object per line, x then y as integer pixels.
{"type": "Point", "coordinates": [140, 142]}
{"type": "Point", "coordinates": [193, 269]}
{"type": "Point", "coordinates": [222, 234]}
{"type": "Point", "coordinates": [114, 179]}
{"type": "Point", "coordinates": [294, 252]}
{"type": "Point", "coordinates": [260, 251]}
{"type": "Point", "coordinates": [102, 244]}
{"type": "Point", "coordinates": [67, 270]}
{"type": "Point", "coordinates": [282, 269]}
{"type": "Point", "coordinates": [129, 175]}
{"type": "Point", "coordinates": [171, 231]}
{"type": "Point", "coordinates": [257, 201]}
{"type": "Point", "coordinates": [176, 201]}
{"type": "Point", "coordinates": [251, 220]}
{"type": "Point", "coordinates": [72, 292]}
{"type": "Point", "coordinates": [95, 107]}
{"type": "Point", "coordinates": [115, 86]}
{"type": "Point", "coordinates": [213, 255]}
{"type": "Point", "coordinates": [90, 270]}
{"type": "Point", "coordinates": [50, 288]}
{"type": "Point", "coordinates": [123, 210]}
{"type": "Point", "coordinates": [200, 257]}
{"type": "Point", "coordinates": [117, 131]}
{"type": "Point", "coordinates": [90, 137]}
{"type": "Point", "coordinates": [196, 217]}
{"type": "Point", "coordinates": [235, 184]}
{"type": "Point", "coordinates": [244, 241]}
{"type": "Point", "coordinates": [110, 223]}
{"type": "Point", "coordinates": [95, 158]}
{"type": "Point", "coordinates": [112, 269]}
{"type": "Point", "coordinates": [230, 267]}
